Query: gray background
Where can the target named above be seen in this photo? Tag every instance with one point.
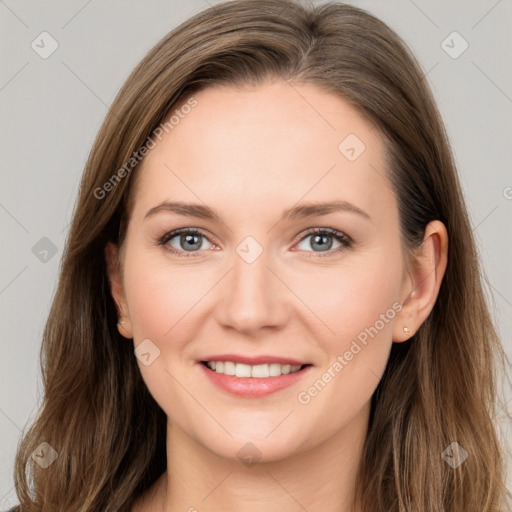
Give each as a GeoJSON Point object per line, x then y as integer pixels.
{"type": "Point", "coordinates": [52, 108]}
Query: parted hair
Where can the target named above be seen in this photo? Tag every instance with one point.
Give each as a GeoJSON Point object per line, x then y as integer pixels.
{"type": "Point", "coordinates": [438, 388]}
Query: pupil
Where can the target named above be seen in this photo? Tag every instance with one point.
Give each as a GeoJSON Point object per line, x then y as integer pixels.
{"type": "Point", "coordinates": [190, 238]}
{"type": "Point", "coordinates": [320, 240]}
{"type": "Point", "coordinates": [324, 246]}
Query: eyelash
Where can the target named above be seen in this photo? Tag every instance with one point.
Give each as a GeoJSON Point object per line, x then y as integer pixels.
{"type": "Point", "coordinates": [345, 240]}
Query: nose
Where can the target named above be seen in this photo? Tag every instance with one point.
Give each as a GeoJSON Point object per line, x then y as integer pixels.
{"type": "Point", "coordinates": [253, 297]}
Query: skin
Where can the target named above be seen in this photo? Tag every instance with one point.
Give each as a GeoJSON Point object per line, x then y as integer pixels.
{"type": "Point", "coordinates": [251, 153]}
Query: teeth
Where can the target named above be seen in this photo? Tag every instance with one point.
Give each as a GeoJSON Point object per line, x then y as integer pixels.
{"type": "Point", "coordinates": [274, 369]}
{"type": "Point", "coordinates": [229, 368]}
{"type": "Point", "coordinates": [241, 370]}
{"type": "Point", "coordinates": [260, 371]}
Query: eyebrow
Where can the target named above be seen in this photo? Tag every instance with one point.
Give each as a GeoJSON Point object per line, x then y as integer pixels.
{"type": "Point", "coordinates": [302, 211]}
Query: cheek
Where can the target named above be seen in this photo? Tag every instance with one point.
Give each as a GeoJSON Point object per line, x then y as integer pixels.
{"type": "Point", "coordinates": [366, 302]}
{"type": "Point", "coordinates": [348, 301]}
{"type": "Point", "coordinates": [159, 295]}
{"type": "Point", "coordinates": [160, 298]}
{"type": "Point", "coordinates": [359, 310]}
{"type": "Point", "coordinates": [357, 297]}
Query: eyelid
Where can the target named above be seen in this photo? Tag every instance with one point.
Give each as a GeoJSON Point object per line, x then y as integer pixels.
{"type": "Point", "coordinates": [176, 232]}
{"type": "Point", "coordinates": [345, 240]}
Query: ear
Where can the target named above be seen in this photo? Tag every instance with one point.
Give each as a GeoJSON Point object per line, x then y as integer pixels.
{"type": "Point", "coordinates": [421, 287]}
{"type": "Point", "coordinates": [115, 279]}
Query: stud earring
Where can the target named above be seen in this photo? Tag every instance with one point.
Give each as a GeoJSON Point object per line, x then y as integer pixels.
{"type": "Point", "coordinates": [121, 327]}
{"type": "Point", "coordinates": [407, 330]}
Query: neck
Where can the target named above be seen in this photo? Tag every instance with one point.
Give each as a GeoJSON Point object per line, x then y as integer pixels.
{"type": "Point", "coordinates": [320, 478]}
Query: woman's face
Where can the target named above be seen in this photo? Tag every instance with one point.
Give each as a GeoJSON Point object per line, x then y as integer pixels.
{"type": "Point", "coordinates": [253, 281]}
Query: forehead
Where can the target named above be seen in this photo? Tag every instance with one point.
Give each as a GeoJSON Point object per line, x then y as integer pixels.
{"type": "Point", "coordinates": [257, 113]}
{"type": "Point", "coordinates": [260, 144]}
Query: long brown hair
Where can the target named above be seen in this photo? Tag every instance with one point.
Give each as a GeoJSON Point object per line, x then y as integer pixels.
{"type": "Point", "coordinates": [438, 388]}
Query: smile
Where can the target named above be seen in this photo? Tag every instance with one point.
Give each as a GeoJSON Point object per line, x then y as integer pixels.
{"type": "Point", "coordinates": [253, 381]}
{"type": "Point", "coordinates": [259, 371]}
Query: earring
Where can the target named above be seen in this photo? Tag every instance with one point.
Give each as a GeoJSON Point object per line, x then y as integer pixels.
{"type": "Point", "coordinates": [407, 330]}
{"type": "Point", "coordinates": [122, 329]}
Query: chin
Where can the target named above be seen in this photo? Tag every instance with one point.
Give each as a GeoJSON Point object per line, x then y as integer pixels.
{"type": "Point", "coordinates": [253, 447]}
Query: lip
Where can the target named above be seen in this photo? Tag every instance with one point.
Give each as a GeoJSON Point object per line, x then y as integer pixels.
{"type": "Point", "coordinates": [253, 387]}
{"type": "Point", "coordinates": [263, 359]}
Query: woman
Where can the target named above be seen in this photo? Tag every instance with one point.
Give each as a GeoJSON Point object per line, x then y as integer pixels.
{"type": "Point", "coordinates": [270, 296]}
